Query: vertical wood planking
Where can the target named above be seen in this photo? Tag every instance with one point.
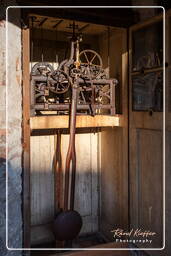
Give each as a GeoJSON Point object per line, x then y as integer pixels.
{"type": "Point", "coordinates": [42, 179]}
{"type": "Point", "coordinates": [149, 170]}
{"type": "Point", "coordinates": [124, 193]}
{"type": "Point", "coordinates": [86, 190]}
{"type": "Point", "coordinates": [95, 180]}
{"type": "Point", "coordinates": [145, 155]}
{"type": "Point", "coordinates": [111, 170]}
{"type": "Point", "coordinates": [83, 189]}
{"type": "Point", "coordinates": [114, 147]}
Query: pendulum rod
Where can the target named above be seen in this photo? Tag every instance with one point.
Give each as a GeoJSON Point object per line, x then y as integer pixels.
{"type": "Point", "coordinates": [71, 154]}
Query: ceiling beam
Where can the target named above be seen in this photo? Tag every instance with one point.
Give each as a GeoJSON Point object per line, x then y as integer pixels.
{"type": "Point", "coordinates": [83, 27]}
{"type": "Point", "coordinates": [116, 17]}
{"type": "Point", "coordinates": [57, 24]}
{"type": "Point", "coordinates": [42, 22]}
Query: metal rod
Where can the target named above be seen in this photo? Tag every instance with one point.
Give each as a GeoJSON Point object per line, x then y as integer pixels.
{"type": "Point", "coordinates": [72, 51]}
{"type": "Point", "coordinates": [58, 171]}
{"type": "Point", "coordinates": [71, 155]}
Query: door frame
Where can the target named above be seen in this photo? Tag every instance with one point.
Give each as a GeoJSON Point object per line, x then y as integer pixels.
{"type": "Point", "coordinates": [26, 137]}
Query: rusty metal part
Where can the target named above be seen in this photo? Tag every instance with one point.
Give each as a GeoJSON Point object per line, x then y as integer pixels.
{"type": "Point", "coordinates": [72, 51]}
{"type": "Point", "coordinates": [51, 90]}
{"type": "Point", "coordinates": [41, 68]}
{"type": "Point", "coordinates": [91, 60]}
{"type": "Point", "coordinates": [68, 223]}
{"type": "Point", "coordinates": [58, 104]}
{"type": "Point", "coordinates": [60, 83]}
{"type": "Point", "coordinates": [58, 173]}
{"type": "Point", "coordinates": [71, 155]}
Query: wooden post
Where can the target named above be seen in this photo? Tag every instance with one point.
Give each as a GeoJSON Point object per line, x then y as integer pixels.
{"type": "Point", "coordinates": [26, 137]}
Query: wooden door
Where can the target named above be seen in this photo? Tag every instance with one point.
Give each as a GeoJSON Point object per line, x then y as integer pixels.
{"type": "Point", "coordinates": [146, 130]}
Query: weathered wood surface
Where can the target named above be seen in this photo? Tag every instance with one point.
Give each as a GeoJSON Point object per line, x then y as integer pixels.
{"type": "Point", "coordinates": [26, 137]}
{"type": "Point", "coordinates": [146, 165]}
{"type": "Point", "coordinates": [42, 180]}
{"type": "Point", "coordinates": [111, 177]}
{"type": "Point", "coordinates": [42, 234]}
{"type": "Point", "coordinates": [86, 190]}
{"type": "Point", "coordinates": [149, 178]}
{"type": "Point", "coordinates": [57, 122]}
{"type": "Point", "coordinates": [114, 143]}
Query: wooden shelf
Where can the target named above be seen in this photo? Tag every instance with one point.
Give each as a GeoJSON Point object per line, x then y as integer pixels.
{"type": "Point", "coordinates": [60, 122]}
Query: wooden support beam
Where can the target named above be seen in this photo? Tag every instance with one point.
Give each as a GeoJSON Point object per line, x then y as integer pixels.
{"type": "Point", "coordinates": [84, 27]}
{"type": "Point", "coordinates": [89, 15]}
{"type": "Point", "coordinates": [59, 122]}
{"type": "Point", "coordinates": [57, 24]}
{"type": "Point", "coordinates": [26, 138]}
{"type": "Point", "coordinates": [42, 22]}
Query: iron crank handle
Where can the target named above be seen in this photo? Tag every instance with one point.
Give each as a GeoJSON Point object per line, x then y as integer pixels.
{"type": "Point", "coordinates": [71, 155]}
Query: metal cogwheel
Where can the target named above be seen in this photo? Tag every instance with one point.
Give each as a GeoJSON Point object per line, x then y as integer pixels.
{"type": "Point", "coordinates": [42, 68]}
{"type": "Point", "coordinates": [60, 82]}
{"type": "Point", "coordinates": [91, 62]}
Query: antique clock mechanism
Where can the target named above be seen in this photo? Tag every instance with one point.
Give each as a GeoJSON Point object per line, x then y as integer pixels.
{"type": "Point", "coordinates": [51, 88]}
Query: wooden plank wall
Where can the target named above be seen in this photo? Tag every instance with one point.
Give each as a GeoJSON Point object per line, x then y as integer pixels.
{"type": "Point", "coordinates": [42, 179]}
{"type": "Point", "coordinates": [111, 165]}
{"type": "Point", "coordinates": [42, 188]}
{"type": "Point", "coordinates": [42, 183]}
{"type": "Point", "coordinates": [114, 144]}
{"type": "Point", "coordinates": [146, 163]}
{"type": "Point", "coordinates": [149, 171]}
{"type": "Point", "coordinates": [87, 180]}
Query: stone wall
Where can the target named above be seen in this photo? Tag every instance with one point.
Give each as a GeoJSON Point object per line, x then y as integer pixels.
{"type": "Point", "coordinates": [14, 209]}
{"type": "Point", "coordinates": [14, 120]}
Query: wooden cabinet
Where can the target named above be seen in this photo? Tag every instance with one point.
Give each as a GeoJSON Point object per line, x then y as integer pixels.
{"type": "Point", "coordinates": [121, 174]}
{"type": "Point", "coordinates": [102, 152]}
{"type": "Point", "coordinates": [146, 134]}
